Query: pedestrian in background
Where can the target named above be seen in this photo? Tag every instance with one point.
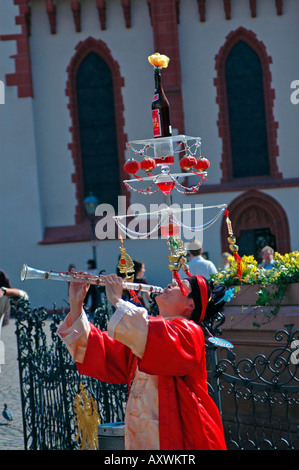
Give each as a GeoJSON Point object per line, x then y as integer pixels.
{"type": "Point", "coordinates": [197, 264]}
{"type": "Point", "coordinates": [6, 293]}
{"type": "Point", "coordinates": [268, 258]}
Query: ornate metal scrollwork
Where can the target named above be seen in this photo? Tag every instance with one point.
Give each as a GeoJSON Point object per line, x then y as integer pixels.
{"type": "Point", "coordinates": [259, 397]}
{"type": "Point", "coordinates": [49, 380]}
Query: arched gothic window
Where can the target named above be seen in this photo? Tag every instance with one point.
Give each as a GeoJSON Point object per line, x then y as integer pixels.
{"type": "Point", "coordinates": [246, 100]}
{"type": "Point", "coordinates": [258, 220]}
{"type": "Point", "coordinates": [246, 109]}
{"type": "Point", "coordinates": [97, 113]}
{"type": "Point", "coordinates": [100, 166]}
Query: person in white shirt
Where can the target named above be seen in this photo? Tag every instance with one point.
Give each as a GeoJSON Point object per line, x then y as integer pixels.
{"type": "Point", "coordinates": [8, 292]}
{"type": "Point", "coordinates": [197, 264]}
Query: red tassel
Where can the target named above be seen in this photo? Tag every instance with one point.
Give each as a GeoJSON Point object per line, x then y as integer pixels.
{"type": "Point", "coordinates": [134, 297]}
{"type": "Point", "coordinates": [182, 286]}
{"type": "Point", "coordinates": [239, 262]}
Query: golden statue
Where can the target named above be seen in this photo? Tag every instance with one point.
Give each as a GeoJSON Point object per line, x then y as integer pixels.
{"type": "Point", "coordinates": [87, 420]}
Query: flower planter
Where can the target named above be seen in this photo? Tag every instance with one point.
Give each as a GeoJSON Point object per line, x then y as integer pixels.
{"type": "Point", "coordinates": [247, 295]}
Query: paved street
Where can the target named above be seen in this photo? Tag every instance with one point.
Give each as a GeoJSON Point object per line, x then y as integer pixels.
{"type": "Point", "coordinates": [11, 434]}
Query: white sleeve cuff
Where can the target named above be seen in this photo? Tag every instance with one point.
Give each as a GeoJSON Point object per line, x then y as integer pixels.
{"type": "Point", "coordinates": [69, 334]}
{"type": "Point", "coordinates": [122, 307]}
{"type": "Point", "coordinates": [129, 326]}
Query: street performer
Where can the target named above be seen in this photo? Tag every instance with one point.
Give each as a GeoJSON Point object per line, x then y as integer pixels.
{"type": "Point", "coordinates": [162, 359]}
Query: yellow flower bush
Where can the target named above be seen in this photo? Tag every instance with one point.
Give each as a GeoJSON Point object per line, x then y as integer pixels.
{"type": "Point", "coordinates": [287, 267]}
{"type": "Point", "coordinates": [285, 271]}
{"type": "Point", "coordinates": [159, 60]}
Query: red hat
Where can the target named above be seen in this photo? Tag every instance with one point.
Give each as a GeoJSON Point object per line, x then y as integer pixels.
{"type": "Point", "coordinates": [208, 299]}
{"type": "Point", "coordinates": [200, 293]}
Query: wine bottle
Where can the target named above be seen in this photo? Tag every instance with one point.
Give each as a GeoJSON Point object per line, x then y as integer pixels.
{"type": "Point", "coordinates": [160, 109]}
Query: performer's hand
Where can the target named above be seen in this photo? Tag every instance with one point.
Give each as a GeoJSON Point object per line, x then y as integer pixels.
{"type": "Point", "coordinates": [77, 294]}
{"type": "Point", "coordinates": [114, 288]}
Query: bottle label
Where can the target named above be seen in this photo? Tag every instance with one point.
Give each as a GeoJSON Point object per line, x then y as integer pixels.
{"type": "Point", "coordinates": [167, 160]}
{"type": "Point", "coordinates": [156, 123]}
{"type": "Point", "coordinates": [155, 97]}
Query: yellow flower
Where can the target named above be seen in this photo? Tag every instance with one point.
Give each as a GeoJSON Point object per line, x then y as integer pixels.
{"type": "Point", "coordinates": [158, 60]}
{"type": "Point", "coordinates": [249, 260]}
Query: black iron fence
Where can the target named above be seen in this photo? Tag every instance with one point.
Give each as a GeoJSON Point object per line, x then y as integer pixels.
{"type": "Point", "coordinates": [258, 398]}
{"type": "Point", "coordinates": [49, 381]}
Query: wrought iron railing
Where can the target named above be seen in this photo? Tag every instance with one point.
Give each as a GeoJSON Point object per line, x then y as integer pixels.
{"type": "Point", "coordinates": [49, 381]}
{"type": "Point", "coordinates": [258, 398]}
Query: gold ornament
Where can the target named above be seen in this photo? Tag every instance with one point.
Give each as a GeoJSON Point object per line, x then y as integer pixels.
{"type": "Point", "coordinates": [87, 420]}
{"type": "Point", "coordinates": [231, 239]}
{"type": "Point", "coordinates": [178, 253]}
{"type": "Point", "coordinates": [234, 248]}
{"type": "Point", "coordinates": [126, 265]}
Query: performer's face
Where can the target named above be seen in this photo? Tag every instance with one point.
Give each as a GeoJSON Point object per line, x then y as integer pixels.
{"type": "Point", "coordinates": [173, 303]}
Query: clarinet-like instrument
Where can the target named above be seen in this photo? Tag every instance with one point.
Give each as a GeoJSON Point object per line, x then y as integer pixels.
{"type": "Point", "coordinates": [30, 273]}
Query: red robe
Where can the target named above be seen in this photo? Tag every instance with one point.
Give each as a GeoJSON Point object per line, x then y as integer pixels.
{"type": "Point", "coordinates": [175, 352]}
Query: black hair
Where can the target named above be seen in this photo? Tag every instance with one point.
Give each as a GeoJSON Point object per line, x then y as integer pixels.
{"type": "Point", "coordinates": [92, 263]}
{"type": "Point", "coordinates": [215, 304]}
{"type": "Point", "coordinates": [195, 252]}
{"type": "Point", "coordinates": [137, 265]}
{"type": "Point", "coordinates": [4, 280]}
